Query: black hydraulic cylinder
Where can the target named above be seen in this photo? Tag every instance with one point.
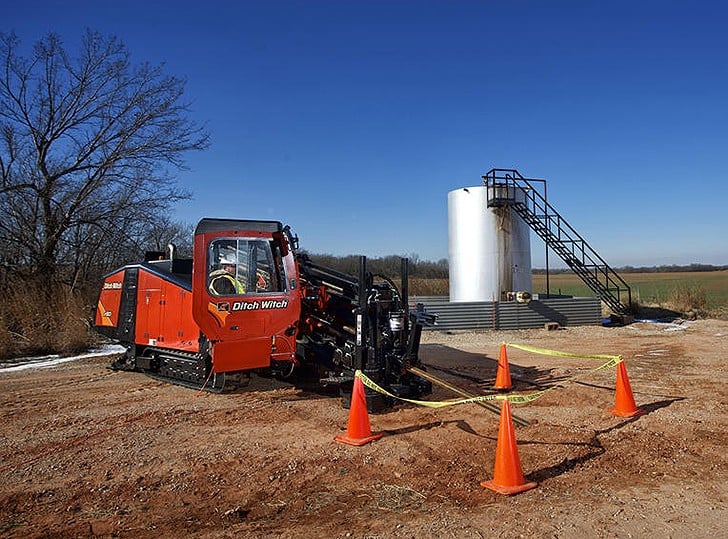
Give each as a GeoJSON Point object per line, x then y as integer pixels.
{"type": "Point", "coordinates": [404, 288]}
{"type": "Point", "coordinates": [360, 316]}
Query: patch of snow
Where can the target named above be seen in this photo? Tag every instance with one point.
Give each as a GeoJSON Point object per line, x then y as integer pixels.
{"type": "Point", "coordinates": [671, 326]}
{"type": "Point", "coordinates": [676, 328]}
{"type": "Point", "coordinates": [23, 363]}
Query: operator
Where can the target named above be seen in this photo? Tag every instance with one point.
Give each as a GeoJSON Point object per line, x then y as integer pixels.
{"type": "Point", "coordinates": [223, 281]}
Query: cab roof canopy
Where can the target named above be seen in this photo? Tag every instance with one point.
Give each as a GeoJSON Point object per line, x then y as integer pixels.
{"type": "Point", "coordinates": [218, 225]}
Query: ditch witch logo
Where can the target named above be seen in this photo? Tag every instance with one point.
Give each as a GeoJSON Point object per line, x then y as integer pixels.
{"type": "Point", "coordinates": [252, 305]}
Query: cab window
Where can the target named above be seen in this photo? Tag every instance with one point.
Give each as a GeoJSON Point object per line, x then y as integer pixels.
{"type": "Point", "coordinates": [244, 266]}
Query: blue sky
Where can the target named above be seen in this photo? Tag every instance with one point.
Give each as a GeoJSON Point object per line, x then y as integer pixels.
{"type": "Point", "coordinates": [351, 121]}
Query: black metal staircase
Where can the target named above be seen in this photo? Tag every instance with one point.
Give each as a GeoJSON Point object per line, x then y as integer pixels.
{"type": "Point", "coordinates": [506, 187]}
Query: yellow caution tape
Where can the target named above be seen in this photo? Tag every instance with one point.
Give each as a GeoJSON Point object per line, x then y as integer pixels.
{"type": "Point", "coordinates": [430, 404]}
{"type": "Point", "coordinates": [556, 353]}
{"type": "Point", "coordinates": [514, 398]}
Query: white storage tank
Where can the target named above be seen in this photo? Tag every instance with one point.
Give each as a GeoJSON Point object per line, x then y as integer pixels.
{"type": "Point", "coordinates": [489, 249]}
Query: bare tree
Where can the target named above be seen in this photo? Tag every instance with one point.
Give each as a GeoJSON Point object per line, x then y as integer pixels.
{"type": "Point", "coordinates": [88, 144]}
{"type": "Point", "coordinates": [165, 231]}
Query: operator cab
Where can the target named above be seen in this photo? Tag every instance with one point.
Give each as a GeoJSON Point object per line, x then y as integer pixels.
{"type": "Point", "coordinates": [245, 297]}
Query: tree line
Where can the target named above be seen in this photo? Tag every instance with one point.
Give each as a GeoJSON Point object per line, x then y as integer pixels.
{"type": "Point", "coordinates": [672, 268]}
{"type": "Point", "coordinates": [388, 265]}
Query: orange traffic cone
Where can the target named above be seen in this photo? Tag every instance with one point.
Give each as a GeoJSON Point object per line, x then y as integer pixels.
{"type": "Point", "coordinates": [358, 431]}
{"type": "Point", "coordinates": [503, 374]}
{"type": "Point", "coordinates": [507, 472]}
{"type": "Point", "coordinates": [624, 401]}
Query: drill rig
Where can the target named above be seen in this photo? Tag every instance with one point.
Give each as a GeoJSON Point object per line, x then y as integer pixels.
{"type": "Point", "coordinates": [249, 301]}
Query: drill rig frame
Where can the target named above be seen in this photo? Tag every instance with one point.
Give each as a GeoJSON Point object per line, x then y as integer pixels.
{"type": "Point", "coordinates": [284, 313]}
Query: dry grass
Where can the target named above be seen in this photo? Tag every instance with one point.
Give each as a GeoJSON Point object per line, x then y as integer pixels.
{"type": "Point", "coordinates": [686, 297]}
{"type": "Point", "coordinates": [429, 287]}
{"type": "Point", "coordinates": [38, 319]}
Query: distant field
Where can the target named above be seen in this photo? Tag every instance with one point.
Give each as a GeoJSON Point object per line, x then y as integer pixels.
{"type": "Point", "coordinates": [648, 288]}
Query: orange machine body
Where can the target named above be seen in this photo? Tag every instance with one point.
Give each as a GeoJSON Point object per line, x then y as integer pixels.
{"type": "Point", "coordinates": [163, 309]}
{"type": "Point", "coordinates": [170, 304]}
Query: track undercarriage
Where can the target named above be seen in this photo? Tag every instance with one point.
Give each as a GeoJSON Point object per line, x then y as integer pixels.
{"type": "Point", "coordinates": [185, 369]}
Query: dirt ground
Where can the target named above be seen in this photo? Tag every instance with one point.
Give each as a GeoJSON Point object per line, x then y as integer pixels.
{"type": "Point", "coordinates": [87, 451]}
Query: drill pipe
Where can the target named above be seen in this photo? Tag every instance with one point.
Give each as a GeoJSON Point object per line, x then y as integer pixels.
{"type": "Point", "coordinates": [491, 407]}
